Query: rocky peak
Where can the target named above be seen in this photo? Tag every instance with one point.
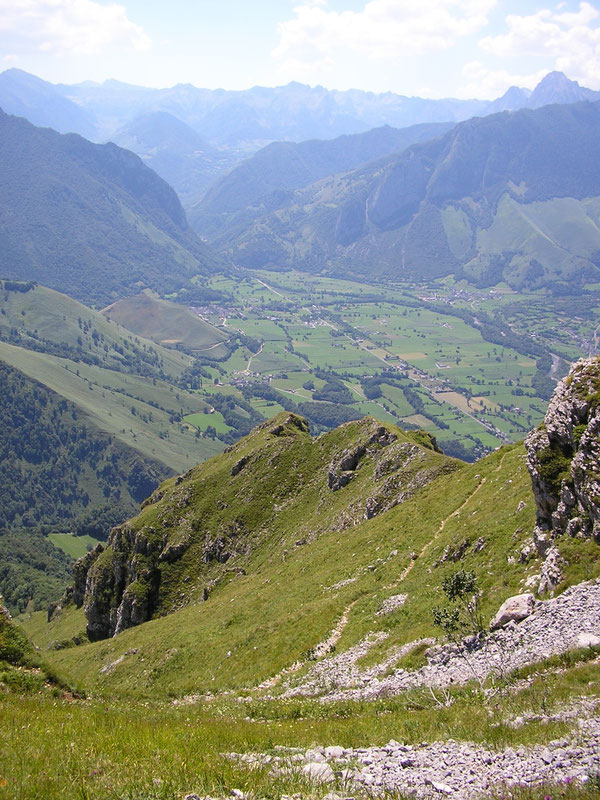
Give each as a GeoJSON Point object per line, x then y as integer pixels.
{"type": "Point", "coordinates": [555, 87]}
{"type": "Point", "coordinates": [563, 457]}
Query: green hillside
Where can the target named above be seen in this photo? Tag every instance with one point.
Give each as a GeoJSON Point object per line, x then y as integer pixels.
{"type": "Point", "coordinates": [511, 197]}
{"type": "Point", "coordinates": [90, 219]}
{"type": "Point", "coordinates": [42, 319]}
{"type": "Point", "coordinates": [288, 583]}
{"type": "Point", "coordinates": [125, 385]}
{"type": "Point", "coordinates": [64, 465]}
{"type": "Point", "coordinates": [92, 420]}
{"type": "Point", "coordinates": [167, 323]}
{"type": "Point", "coordinates": [33, 572]}
{"type": "Point", "coordinates": [272, 555]}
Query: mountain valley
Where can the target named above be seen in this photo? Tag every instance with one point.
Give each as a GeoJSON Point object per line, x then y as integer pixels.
{"type": "Point", "coordinates": [340, 614]}
{"type": "Point", "coordinates": [508, 197]}
{"type": "Point", "coordinates": [71, 209]}
{"type": "Point", "coordinates": [299, 474]}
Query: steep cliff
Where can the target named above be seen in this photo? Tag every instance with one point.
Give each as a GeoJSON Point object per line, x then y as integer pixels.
{"type": "Point", "coordinates": [563, 457]}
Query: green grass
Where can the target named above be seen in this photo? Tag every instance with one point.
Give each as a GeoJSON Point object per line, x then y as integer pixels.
{"type": "Point", "coordinates": [166, 323]}
{"type": "Point", "coordinates": [74, 546]}
{"type": "Point", "coordinates": [54, 748]}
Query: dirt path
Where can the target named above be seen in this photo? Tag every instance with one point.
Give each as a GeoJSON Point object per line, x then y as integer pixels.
{"type": "Point", "coordinates": [320, 650]}
{"type": "Point", "coordinates": [443, 524]}
{"type": "Point", "coordinates": [258, 352]}
{"type": "Point", "coordinates": [212, 347]}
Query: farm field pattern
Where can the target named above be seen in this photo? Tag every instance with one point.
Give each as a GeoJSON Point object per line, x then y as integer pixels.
{"type": "Point", "coordinates": [468, 390]}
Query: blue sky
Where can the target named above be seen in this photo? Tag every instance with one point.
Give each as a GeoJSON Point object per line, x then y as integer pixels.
{"type": "Point", "coordinates": [429, 48]}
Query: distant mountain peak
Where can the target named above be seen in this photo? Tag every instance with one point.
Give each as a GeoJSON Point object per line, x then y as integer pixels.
{"type": "Point", "coordinates": [555, 87]}
{"type": "Point", "coordinates": [556, 78]}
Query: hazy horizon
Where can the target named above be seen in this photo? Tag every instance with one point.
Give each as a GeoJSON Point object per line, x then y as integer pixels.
{"type": "Point", "coordinates": [443, 48]}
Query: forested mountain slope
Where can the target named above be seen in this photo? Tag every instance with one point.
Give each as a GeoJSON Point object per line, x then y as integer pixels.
{"type": "Point", "coordinates": [264, 181]}
{"type": "Point", "coordinates": [513, 197]}
{"type": "Point", "coordinates": [88, 219]}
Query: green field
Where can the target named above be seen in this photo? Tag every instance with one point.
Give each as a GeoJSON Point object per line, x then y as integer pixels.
{"type": "Point", "coordinates": [166, 323]}
{"type": "Point", "coordinates": [74, 546]}
{"type": "Point", "coordinates": [202, 421]}
{"type": "Point", "coordinates": [472, 390]}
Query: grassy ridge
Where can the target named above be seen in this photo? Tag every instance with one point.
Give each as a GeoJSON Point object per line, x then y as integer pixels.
{"type": "Point", "coordinates": [285, 604]}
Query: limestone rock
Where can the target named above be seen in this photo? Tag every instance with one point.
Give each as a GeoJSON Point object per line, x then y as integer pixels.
{"type": "Point", "coordinates": [563, 457]}
{"type": "Point", "coordinates": [552, 573]}
{"type": "Point", "coordinates": [341, 470]}
{"type": "Point", "coordinates": [80, 572]}
{"type": "Point", "coordinates": [514, 609]}
{"type": "Point", "coordinates": [588, 640]}
{"type": "Point", "coordinates": [319, 771]}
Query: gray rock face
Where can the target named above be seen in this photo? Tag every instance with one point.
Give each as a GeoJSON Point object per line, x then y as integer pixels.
{"type": "Point", "coordinates": [563, 457]}
{"type": "Point", "coordinates": [342, 468]}
{"type": "Point", "coordinates": [80, 573]}
{"type": "Point", "coordinates": [121, 582]}
{"type": "Point", "coordinates": [514, 609]}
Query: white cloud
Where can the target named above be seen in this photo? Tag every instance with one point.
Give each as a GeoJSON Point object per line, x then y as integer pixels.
{"type": "Point", "coordinates": [67, 26]}
{"type": "Point", "coordinates": [384, 30]}
{"type": "Point", "coordinates": [492, 83]}
{"type": "Point", "coordinates": [569, 41]}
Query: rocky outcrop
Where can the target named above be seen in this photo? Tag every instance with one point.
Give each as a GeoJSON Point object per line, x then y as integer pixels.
{"type": "Point", "coordinates": [80, 573]}
{"type": "Point", "coordinates": [122, 582]}
{"type": "Point", "coordinates": [401, 470]}
{"type": "Point", "coordinates": [342, 468]}
{"type": "Point", "coordinates": [563, 457]}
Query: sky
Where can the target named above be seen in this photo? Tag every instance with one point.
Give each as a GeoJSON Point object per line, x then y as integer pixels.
{"type": "Point", "coordinates": [425, 48]}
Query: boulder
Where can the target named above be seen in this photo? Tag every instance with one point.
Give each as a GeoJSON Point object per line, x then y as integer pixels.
{"type": "Point", "coordinates": [514, 609]}
{"type": "Point", "coordinates": [588, 640]}
{"type": "Point", "coordinates": [319, 771]}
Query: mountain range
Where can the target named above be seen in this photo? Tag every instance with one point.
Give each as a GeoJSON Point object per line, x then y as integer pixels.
{"type": "Point", "coordinates": [511, 196]}
{"type": "Point", "coordinates": [244, 119]}
{"type": "Point", "coordinates": [225, 126]}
